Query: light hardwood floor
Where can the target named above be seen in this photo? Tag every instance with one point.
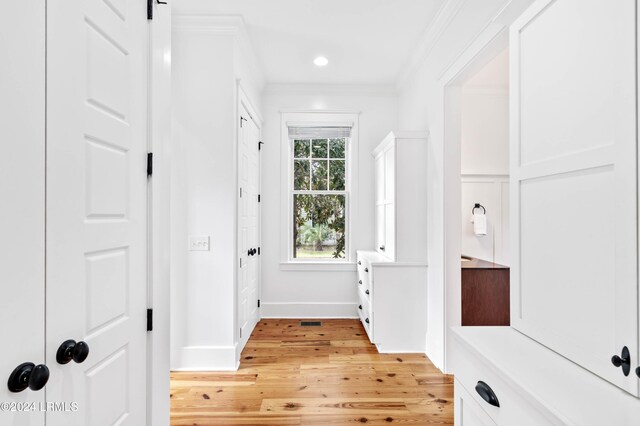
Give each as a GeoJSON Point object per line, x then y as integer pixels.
{"type": "Point", "coordinates": [328, 375]}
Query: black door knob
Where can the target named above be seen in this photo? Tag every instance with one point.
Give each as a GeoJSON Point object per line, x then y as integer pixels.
{"type": "Point", "coordinates": [71, 350]}
{"type": "Point", "coordinates": [382, 248]}
{"type": "Point", "coordinates": [360, 307]}
{"type": "Point", "coordinates": [624, 361]}
{"type": "Point", "coordinates": [28, 375]}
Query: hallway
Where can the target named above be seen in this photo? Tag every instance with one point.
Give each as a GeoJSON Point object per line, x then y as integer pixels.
{"type": "Point", "coordinates": [328, 375]}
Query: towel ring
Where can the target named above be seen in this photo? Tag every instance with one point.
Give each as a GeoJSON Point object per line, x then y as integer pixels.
{"type": "Point", "coordinates": [478, 206]}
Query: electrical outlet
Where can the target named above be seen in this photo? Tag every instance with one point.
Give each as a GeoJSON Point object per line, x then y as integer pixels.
{"type": "Point", "coordinates": [199, 243]}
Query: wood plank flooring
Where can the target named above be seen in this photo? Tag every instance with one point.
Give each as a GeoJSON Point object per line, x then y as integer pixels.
{"type": "Point", "coordinates": [328, 375]}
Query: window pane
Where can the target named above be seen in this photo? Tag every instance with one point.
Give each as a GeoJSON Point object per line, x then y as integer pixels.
{"type": "Point", "coordinates": [319, 175]}
{"type": "Point", "coordinates": [336, 148]}
{"type": "Point", "coordinates": [319, 148]}
{"type": "Point", "coordinates": [336, 175]}
{"type": "Point", "coordinates": [319, 226]}
{"type": "Point", "coordinates": [301, 148]}
{"type": "Point", "coordinates": [301, 174]}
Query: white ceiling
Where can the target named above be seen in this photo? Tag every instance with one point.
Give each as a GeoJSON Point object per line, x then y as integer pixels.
{"type": "Point", "coordinates": [366, 41]}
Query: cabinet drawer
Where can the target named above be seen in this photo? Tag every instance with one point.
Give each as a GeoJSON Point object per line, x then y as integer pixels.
{"type": "Point", "coordinates": [478, 377]}
{"type": "Point", "coordinates": [367, 322]}
{"type": "Point", "coordinates": [467, 411]}
{"type": "Point", "coordinates": [364, 275]}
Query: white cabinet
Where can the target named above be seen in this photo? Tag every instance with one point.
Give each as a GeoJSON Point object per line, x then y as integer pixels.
{"type": "Point", "coordinates": [392, 280]}
{"type": "Point", "coordinates": [401, 196]}
{"type": "Point", "coordinates": [392, 302]}
{"type": "Point", "coordinates": [574, 193]}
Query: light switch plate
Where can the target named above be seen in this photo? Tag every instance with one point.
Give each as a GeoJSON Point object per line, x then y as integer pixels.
{"type": "Point", "coordinates": [199, 243]}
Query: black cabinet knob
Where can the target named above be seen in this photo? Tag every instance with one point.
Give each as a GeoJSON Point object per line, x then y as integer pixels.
{"type": "Point", "coordinates": [366, 269]}
{"type": "Point", "coordinates": [638, 372]}
{"type": "Point", "coordinates": [70, 350]}
{"type": "Point", "coordinates": [624, 361]}
{"type": "Point", "coordinates": [28, 375]}
{"type": "Point", "coordinates": [367, 320]}
{"type": "Point", "coordinates": [360, 282]}
{"type": "Point", "coordinates": [382, 248]}
{"type": "Point", "coordinates": [366, 292]}
{"type": "Point", "coordinates": [486, 393]}
{"type": "Point", "coordinates": [360, 307]}
{"type": "Point", "coordinates": [359, 263]}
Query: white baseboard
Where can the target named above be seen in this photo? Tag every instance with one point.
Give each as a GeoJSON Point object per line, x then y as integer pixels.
{"type": "Point", "coordinates": [205, 358]}
{"type": "Point", "coordinates": [309, 310]}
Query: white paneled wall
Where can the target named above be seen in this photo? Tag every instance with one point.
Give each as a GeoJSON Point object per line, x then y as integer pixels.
{"type": "Point", "coordinates": [485, 161]}
{"type": "Point", "coordinates": [492, 191]}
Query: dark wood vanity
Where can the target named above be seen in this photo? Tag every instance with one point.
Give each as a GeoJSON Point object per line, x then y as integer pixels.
{"type": "Point", "coordinates": [485, 292]}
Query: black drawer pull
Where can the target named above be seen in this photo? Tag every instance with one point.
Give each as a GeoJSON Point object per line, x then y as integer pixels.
{"type": "Point", "coordinates": [485, 391]}
{"type": "Point", "coordinates": [366, 292]}
{"type": "Point", "coordinates": [360, 307]}
{"type": "Point", "coordinates": [366, 269]}
{"type": "Point", "coordinates": [367, 320]}
{"type": "Point", "coordinates": [360, 282]}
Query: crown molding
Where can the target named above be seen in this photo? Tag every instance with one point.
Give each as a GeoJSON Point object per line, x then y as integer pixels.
{"type": "Point", "coordinates": [330, 89]}
{"type": "Point", "coordinates": [430, 38]}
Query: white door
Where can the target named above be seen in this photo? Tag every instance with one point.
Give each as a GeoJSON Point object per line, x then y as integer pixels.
{"type": "Point", "coordinates": [574, 181]}
{"type": "Point", "coordinates": [22, 43]}
{"type": "Point", "coordinates": [96, 208]}
{"type": "Point", "coordinates": [248, 225]}
{"type": "Point", "coordinates": [380, 201]}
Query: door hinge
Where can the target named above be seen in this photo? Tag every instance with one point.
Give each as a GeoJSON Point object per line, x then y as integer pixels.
{"type": "Point", "coordinates": [150, 8]}
{"type": "Point", "coordinates": [258, 251]}
{"type": "Point", "coordinates": [149, 319]}
{"type": "Point", "coordinates": [149, 164]}
{"type": "Point", "coordinates": [260, 145]}
{"type": "Point", "coordinates": [258, 303]}
{"type": "Point", "coordinates": [240, 192]}
{"type": "Point", "coordinates": [258, 197]}
{"type": "Point", "coordinates": [241, 120]}
{"type": "Point", "coordinates": [241, 262]}
{"type": "Point", "coordinates": [241, 333]}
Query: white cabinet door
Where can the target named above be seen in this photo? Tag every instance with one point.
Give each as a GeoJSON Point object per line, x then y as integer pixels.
{"type": "Point", "coordinates": [22, 43]}
{"type": "Point", "coordinates": [96, 224]}
{"type": "Point", "coordinates": [248, 226]}
{"type": "Point", "coordinates": [574, 184]}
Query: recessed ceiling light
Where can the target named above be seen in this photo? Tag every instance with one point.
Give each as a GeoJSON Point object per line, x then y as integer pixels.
{"type": "Point", "coordinates": [320, 61]}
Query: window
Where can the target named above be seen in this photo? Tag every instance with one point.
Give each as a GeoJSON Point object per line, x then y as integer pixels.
{"type": "Point", "coordinates": [319, 192]}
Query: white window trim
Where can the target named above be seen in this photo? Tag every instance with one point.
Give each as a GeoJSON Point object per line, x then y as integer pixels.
{"type": "Point", "coordinates": [317, 118]}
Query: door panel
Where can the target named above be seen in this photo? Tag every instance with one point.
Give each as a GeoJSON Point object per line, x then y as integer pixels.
{"type": "Point", "coordinates": [22, 120]}
{"type": "Point", "coordinates": [248, 226]}
{"type": "Point", "coordinates": [574, 185]}
{"type": "Point", "coordinates": [96, 208]}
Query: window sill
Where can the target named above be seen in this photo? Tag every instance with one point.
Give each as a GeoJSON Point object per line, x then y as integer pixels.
{"type": "Point", "coordinates": [318, 266]}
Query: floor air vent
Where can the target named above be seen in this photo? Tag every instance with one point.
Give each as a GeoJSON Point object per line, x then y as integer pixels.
{"type": "Point", "coordinates": [311, 323]}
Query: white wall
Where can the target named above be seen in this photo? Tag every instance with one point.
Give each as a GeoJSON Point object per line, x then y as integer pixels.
{"type": "Point", "coordinates": [421, 105]}
{"type": "Point", "coordinates": [206, 67]}
{"type": "Point", "coordinates": [318, 292]}
{"type": "Point", "coordinates": [484, 139]}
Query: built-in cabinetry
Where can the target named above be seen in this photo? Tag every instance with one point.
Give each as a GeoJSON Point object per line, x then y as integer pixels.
{"type": "Point", "coordinates": [392, 280]}
{"type": "Point", "coordinates": [572, 354]}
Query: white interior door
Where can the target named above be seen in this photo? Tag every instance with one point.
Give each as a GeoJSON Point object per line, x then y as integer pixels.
{"type": "Point", "coordinates": [248, 225]}
{"type": "Point", "coordinates": [96, 208]}
{"type": "Point", "coordinates": [574, 187]}
{"type": "Point", "coordinates": [22, 94]}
